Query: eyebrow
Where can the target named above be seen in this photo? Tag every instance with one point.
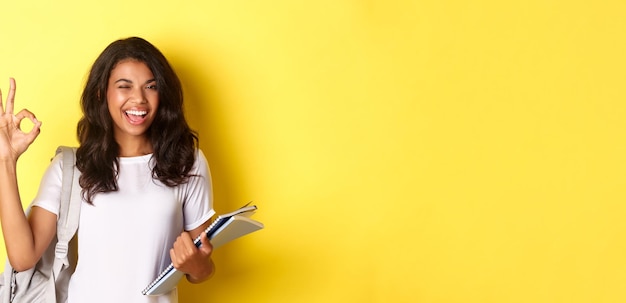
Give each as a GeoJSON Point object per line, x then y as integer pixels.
{"type": "Point", "coordinates": [128, 81]}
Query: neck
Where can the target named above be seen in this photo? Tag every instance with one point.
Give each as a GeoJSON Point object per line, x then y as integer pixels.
{"type": "Point", "coordinates": [134, 148]}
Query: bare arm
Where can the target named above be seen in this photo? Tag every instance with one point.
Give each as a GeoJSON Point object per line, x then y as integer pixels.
{"type": "Point", "coordinates": [25, 242]}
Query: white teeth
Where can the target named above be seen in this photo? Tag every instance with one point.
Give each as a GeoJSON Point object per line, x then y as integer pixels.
{"type": "Point", "coordinates": [136, 112]}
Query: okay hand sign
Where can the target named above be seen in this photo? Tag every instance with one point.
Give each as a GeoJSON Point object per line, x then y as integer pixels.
{"type": "Point", "coordinates": [13, 141]}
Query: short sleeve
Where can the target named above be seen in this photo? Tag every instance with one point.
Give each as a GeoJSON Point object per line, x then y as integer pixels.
{"type": "Point", "coordinates": [49, 194]}
{"type": "Point", "coordinates": [197, 194]}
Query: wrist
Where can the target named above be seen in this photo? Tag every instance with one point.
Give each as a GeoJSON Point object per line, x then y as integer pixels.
{"type": "Point", "coordinates": [201, 274]}
{"type": "Point", "coordinates": [8, 166]}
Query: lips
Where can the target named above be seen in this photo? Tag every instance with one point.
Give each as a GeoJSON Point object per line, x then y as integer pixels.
{"type": "Point", "coordinates": [136, 117]}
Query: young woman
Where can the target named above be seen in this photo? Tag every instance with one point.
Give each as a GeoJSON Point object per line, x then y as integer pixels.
{"type": "Point", "coordinates": [146, 186]}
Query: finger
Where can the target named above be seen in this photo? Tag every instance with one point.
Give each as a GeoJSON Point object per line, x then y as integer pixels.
{"type": "Point", "coordinates": [181, 245]}
{"type": "Point", "coordinates": [26, 114]}
{"type": "Point", "coordinates": [1, 105]}
{"type": "Point", "coordinates": [34, 132]}
{"type": "Point", "coordinates": [206, 246]}
{"type": "Point", "coordinates": [10, 97]}
{"type": "Point", "coordinates": [186, 243]}
{"type": "Point", "coordinates": [174, 258]}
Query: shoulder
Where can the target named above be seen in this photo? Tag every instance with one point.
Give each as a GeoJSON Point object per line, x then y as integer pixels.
{"type": "Point", "coordinates": [56, 166]}
{"type": "Point", "coordinates": [54, 172]}
{"type": "Point", "coordinates": [200, 156]}
{"type": "Point", "coordinates": [200, 163]}
{"type": "Point", "coordinates": [49, 194]}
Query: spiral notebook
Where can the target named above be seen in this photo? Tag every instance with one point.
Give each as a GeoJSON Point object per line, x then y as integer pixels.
{"type": "Point", "coordinates": [225, 228]}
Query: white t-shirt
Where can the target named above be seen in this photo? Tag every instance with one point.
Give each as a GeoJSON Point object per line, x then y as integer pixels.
{"type": "Point", "coordinates": [124, 238]}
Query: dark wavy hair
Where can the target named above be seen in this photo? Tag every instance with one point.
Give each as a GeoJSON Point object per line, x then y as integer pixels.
{"type": "Point", "coordinates": [174, 142]}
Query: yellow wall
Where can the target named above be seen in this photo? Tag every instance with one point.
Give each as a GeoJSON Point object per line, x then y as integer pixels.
{"type": "Point", "coordinates": [399, 151]}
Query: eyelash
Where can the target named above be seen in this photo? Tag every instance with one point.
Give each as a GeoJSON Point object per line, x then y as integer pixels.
{"type": "Point", "coordinates": [148, 86]}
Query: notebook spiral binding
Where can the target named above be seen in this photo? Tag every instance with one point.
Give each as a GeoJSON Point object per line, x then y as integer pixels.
{"type": "Point", "coordinates": [219, 221]}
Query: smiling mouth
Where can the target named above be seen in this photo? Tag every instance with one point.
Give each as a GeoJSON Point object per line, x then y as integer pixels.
{"type": "Point", "coordinates": [136, 117]}
{"type": "Point", "coordinates": [139, 113]}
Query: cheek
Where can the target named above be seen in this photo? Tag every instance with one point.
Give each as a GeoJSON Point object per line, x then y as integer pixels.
{"type": "Point", "coordinates": [154, 101]}
{"type": "Point", "coordinates": [113, 103]}
{"type": "Point", "coordinates": [111, 99]}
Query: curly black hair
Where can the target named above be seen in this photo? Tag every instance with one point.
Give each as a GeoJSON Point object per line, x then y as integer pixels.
{"type": "Point", "coordinates": [173, 141]}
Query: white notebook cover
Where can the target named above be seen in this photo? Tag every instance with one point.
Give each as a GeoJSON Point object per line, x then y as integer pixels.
{"type": "Point", "coordinates": [223, 230]}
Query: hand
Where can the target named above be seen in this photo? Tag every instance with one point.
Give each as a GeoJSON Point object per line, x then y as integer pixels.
{"type": "Point", "coordinates": [13, 141]}
{"type": "Point", "coordinates": [194, 261]}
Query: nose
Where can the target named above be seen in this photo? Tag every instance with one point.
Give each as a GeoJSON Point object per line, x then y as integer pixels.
{"type": "Point", "coordinates": [138, 95]}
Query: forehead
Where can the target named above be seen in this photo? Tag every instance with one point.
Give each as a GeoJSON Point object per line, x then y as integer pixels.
{"type": "Point", "coordinates": [131, 68]}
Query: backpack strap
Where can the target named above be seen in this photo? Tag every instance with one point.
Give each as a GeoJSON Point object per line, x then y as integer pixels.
{"type": "Point", "coordinates": [69, 212]}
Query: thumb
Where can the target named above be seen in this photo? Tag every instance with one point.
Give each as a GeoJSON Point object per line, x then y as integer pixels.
{"type": "Point", "coordinates": [34, 132]}
{"type": "Point", "coordinates": [206, 246]}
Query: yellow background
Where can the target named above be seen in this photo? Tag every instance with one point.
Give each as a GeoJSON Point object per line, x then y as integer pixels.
{"type": "Point", "coordinates": [399, 151]}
